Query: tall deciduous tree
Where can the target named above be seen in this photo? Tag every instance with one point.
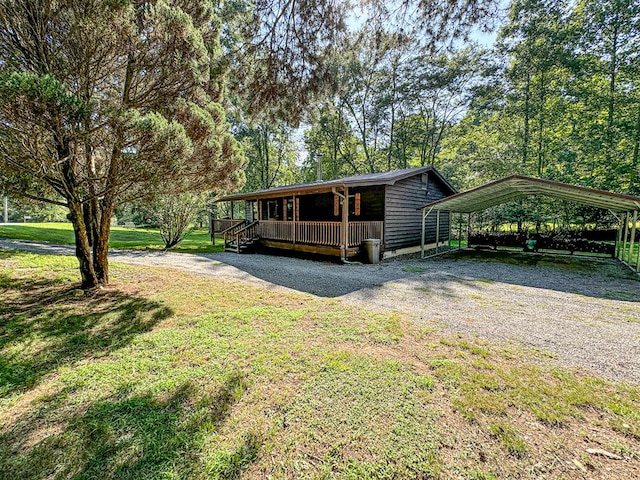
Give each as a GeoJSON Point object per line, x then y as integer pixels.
{"type": "Point", "coordinates": [174, 215]}
{"type": "Point", "coordinates": [271, 154]}
{"type": "Point", "coordinates": [608, 49]}
{"type": "Point", "coordinates": [104, 102]}
{"type": "Point", "coordinates": [535, 39]}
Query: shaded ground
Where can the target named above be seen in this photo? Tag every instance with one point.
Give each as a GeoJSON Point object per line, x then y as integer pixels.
{"type": "Point", "coordinates": [586, 312]}
{"type": "Point", "coordinates": [165, 374]}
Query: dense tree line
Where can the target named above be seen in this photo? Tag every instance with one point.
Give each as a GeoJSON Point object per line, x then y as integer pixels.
{"type": "Point", "coordinates": [558, 96]}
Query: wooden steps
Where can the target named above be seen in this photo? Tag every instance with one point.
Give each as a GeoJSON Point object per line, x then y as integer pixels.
{"type": "Point", "coordinates": [241, 238]}
{"type": "Point", "coordinates": [245, 245]}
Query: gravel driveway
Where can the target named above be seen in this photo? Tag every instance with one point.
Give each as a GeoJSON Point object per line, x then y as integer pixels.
{"type": "Point", "coordinates": [587, 317]}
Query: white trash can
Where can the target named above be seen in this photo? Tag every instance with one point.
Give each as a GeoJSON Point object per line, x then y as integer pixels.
{"type": "Point", "coordinates": [372, 247]}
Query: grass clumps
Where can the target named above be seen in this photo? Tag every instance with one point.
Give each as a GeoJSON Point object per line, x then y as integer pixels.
{"type": "Point", "coordinates": [509, 438]}
{"type": "Point", "coordinates": [177, 376]}
{"type": "Point", "coordinates": [414, 269]}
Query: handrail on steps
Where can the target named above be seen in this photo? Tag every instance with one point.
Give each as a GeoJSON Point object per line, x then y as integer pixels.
{"type": "Point", "coordinates": [238, 234]}
{"type": "Point", "coordinates": [250, 226]}
{"type": "Point", "coordinates": [241, 224]}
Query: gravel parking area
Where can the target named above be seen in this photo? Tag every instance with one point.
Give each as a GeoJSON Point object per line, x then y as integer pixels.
{"type": "Point", "coordinates": [585, 313]}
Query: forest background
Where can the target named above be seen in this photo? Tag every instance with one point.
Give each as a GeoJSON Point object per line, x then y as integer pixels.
{"type": "Point", "coordinates": [556, 96]}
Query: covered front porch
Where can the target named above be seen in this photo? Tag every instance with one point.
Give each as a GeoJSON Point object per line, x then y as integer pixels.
{"type": "Point", "coordinates": [329, 220]}
{"type": "Point", "coordinates": [318, 236]}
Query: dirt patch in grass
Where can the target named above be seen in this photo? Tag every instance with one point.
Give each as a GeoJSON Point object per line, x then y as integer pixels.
{"type": "Point", "coordinates": [588, 264]}
{"type": "Point", "coordinates": [164, 374]}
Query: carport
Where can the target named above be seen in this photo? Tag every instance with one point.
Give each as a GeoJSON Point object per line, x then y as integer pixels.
{"type": "Point", "coordinates": [624, 207]}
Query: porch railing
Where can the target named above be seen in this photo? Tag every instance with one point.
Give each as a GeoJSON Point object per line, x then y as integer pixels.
{"type": "Point", "coordinates": [359, 231]}
{"type": "Point", "coordinates": [276, 230]}
{"type": "Point", "coordinates": [222, 224]}
{"type": "Point", "coordinates": [318, 233]}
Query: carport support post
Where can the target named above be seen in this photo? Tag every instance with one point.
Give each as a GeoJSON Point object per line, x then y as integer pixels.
{"type": "Point", "coordinates": [424, 221]}
{"type": "Point", "coordinates": [625, 235]}
{"type": "Point", "coordinates": [425, 214]}
{"type": "Point", "coordinates": [469, 230]}
{"type": "Point", "coordinates": [633, 234]}
{"type": "Point", "coordinates": [459, 231]}
{"type": "Point", "coordinates": [437, 229]}
{"type": "Point", "coordinates": [616, 252]}
{"type": "Point", "coordinates": [638, 260]}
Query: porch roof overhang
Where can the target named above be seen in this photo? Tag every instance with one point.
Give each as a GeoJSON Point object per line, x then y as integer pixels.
{"type": "Point", "coordinates": [516, 187]}
{"type": "Point", "coordinates": [373, 179]}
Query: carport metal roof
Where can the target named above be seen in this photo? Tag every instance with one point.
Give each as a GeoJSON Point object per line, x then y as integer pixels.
{"type": "Point", "coordinates": [518, 186]}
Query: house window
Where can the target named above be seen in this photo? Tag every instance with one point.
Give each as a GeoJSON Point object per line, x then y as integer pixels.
{"type": "Point", "coordinates": [425, 181]}
{"type": "Point", "coordinates": [271, 210]}
{"type": "Point", "coordinates": [289, 207]}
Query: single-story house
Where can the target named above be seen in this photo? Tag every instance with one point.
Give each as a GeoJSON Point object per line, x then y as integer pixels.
{"type": "Point", "coordinates": [334, 217]}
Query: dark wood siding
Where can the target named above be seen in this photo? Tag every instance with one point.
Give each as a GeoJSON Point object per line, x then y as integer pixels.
{"type": "Point", "coordinates": [403, 220]}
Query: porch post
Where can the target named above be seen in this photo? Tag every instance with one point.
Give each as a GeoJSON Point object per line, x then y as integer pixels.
{"type": "Point", "coordinates": [437, 229]}
{"type": "Point", "coordinates": [212, 227]}
{"type": "Point", "coordinates": [638, 259]}
{"type": "Point", "coordinates": [633, 234]}
{"type": "Point", "coordinates": [295, 218]}
{"type": "Point", "coordinates": [345, 222]}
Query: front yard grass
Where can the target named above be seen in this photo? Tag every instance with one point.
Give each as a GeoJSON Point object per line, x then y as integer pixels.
{"type": "Point", "coordinates": [197, 241]}
{"type": "Point", "coordinates": [167, 375]}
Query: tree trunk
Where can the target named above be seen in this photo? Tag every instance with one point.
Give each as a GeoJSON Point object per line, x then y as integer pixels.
{"type": "Point", "coordinates": [525, 140]}
{"type": "Point", "coordinates": [613, 70]}
{"type": "Point", "coordinates": [541, 125]}
{"type": "Point", "coordinates": [635, 164]}
{"type": "Point", "coordinates": [393, 113]}
{"type": "Point", "coordinates": [101, 246]}
{"type": "Point", "coordinates": [83, 250]}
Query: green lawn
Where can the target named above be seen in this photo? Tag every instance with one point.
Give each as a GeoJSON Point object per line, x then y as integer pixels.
{"type": "Point", "coordinates": [167, 375]}
{"type": "Point", "coordinates": [197, 241]}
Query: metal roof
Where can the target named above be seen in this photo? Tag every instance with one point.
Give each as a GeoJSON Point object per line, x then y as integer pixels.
{"type": "Point", "coordinates": [371, 179]}
{"type": "Point", "coordinates": [518, 186]}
